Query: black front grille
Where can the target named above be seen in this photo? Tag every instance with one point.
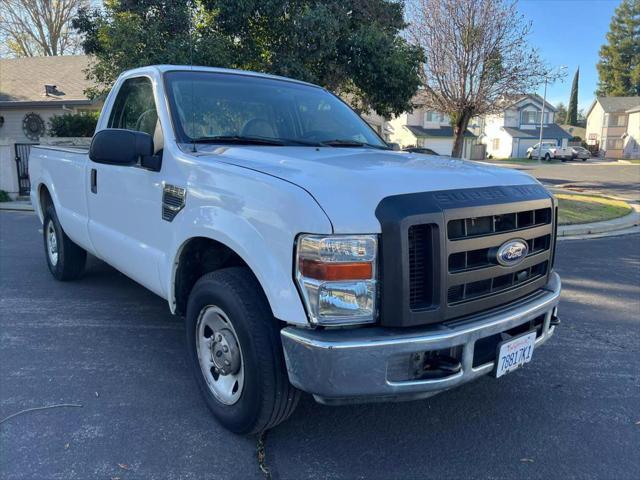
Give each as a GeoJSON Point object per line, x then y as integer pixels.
{"type": "Point", "coordinates": [474, 290]}
{"type": "Point", "coordinates": [490, 224]}
{"type": "Point", "coordinates": [482, 257]}
{"type": "Point", "coordinates": [420, 266]}
{"type": "Point", "coordinates": [439, 251]}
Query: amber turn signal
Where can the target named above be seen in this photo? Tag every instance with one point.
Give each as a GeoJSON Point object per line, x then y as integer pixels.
{"type": "Point", "coordinates": [336, 271]}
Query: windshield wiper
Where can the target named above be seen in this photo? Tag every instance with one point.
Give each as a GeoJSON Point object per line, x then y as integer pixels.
{"type": "Point", "coordinates": [239, 140]}
{"type": "Point", "coordinates": [338, 142]}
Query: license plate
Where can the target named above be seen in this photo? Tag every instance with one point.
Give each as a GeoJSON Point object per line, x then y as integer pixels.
{"type": "Point", "coordinates": [514, 353]}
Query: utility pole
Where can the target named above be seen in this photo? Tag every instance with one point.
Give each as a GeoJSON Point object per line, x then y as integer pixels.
{"type": "Point", "coordinates": [559, 74]}
{"type": "Point", "coordinates": [544, 101]}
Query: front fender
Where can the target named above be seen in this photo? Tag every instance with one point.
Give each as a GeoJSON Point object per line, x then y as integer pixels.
{"type": "Point", "coordinates": [260, 228]}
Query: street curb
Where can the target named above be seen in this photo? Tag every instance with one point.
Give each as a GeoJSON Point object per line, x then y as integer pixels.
{"type": "Point", "coordinates": [623, 223]}
{"type": "Point", "coordinates": [17, 206]}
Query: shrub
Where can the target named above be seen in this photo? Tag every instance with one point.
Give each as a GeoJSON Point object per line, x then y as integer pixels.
{"type": "Point", "coordinates": [81, 124]}
{"type": "Point", "coordinates": [4, 196]}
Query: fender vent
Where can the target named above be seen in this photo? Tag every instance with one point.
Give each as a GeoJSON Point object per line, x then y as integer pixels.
{"type": "Point", "coordinates": [173, 200]}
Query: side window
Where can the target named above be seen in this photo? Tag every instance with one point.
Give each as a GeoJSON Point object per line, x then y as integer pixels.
{"type": "Point", "coordinates": [135, 108]}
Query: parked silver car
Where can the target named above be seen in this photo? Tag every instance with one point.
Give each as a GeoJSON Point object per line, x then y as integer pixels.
{"type": "Point", "coordinates": [581, 153]}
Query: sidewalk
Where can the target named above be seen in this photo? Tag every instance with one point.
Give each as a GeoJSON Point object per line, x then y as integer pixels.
{"type": "Point", "coordinates": [17, 205]}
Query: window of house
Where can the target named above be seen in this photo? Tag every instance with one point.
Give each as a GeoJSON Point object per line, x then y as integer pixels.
{"type": "Point", "coordinates": [617, 120]}
{"type": "Point", "coordinates": [433, 117]}
{"type": "Point", "coordinates": [614, 143]}
{"type": "Point", "coordinates": [495, 143]}
{"type": "Point", "coordinates": [530, 117]}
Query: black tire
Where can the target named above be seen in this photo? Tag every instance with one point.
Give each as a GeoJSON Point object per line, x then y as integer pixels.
{"type": "Point", "coordinates": [71, 258]}
{"type": "Point", "coordinates": [267, 397]}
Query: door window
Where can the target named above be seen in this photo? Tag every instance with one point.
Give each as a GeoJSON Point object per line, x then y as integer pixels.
{"type": "Point", "coordinates": [135, 108]}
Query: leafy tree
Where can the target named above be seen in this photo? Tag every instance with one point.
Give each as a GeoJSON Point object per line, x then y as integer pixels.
{"type": "Point", "coordinates": [619, 65]}
{"type": "Point", "coordinates": [352, 47]}
{"type": "Point", "coordinates": [571, 116]}
{"type": "Point", "coordinates": [561, 112]}
{"type": "Point", "coordinates": [476, 57]}
{"type": "Point", "coordinates": [30, 28]}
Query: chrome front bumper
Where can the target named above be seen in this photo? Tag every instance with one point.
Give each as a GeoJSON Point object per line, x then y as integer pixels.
{"type": "Point", "coordinates": [353, 365]}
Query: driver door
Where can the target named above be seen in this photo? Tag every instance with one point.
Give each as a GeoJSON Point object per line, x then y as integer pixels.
{"type": "Point", "coordinates": [125, 202]}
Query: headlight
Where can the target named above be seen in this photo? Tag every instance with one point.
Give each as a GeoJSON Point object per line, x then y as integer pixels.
{"type": "Point", "coordinates": [337, 278]}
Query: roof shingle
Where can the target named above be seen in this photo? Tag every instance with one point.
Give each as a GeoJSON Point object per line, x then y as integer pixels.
{"type": "Point", "coordinates": [618, 104]}
{"type": "Point", "coordinates": [23, 79]}
{"type": "Point", "coordinates": [552, 130]}
{"type": "Point", "coordinates": [419, 131]}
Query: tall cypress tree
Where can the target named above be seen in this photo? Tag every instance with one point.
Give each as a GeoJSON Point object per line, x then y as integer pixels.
{"type": "Point", "coordinates": [619, 65]}
{"type": "Point", "coordinates": [572, 110]}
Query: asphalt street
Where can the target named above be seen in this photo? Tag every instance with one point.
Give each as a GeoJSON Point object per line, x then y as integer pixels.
{"type": "Point", "coordinates": [108, 344]}
{"type": "Point", "coordinates": [593, 176]}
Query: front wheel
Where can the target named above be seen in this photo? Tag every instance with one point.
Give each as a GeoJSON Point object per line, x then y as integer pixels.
{"type": "Point", "coordinates": [65, 259]}
{"type": "Point", "coordinates": [235, 350]}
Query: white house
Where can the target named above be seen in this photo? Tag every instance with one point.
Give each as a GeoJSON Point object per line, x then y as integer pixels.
{"type": "Point", "coordinates": [631, 147]}
{"type": "Point", "coordinates": [32, 90]}
{"type": "Point", "coordinates": [511, 132]}
{"type": "Point", "coordinates": [608, 120]}
{"type": "Point", "coordinates": [427, 129]}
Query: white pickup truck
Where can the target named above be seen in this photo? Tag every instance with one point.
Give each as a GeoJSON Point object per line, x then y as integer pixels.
{"type": "Point", "coordinates": [303, 253]}
{"type": "Point", "coordinates": [550, 151]}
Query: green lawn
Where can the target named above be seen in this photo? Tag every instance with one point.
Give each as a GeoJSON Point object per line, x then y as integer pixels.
{"type": "Point", "coordinates": [575, 209]}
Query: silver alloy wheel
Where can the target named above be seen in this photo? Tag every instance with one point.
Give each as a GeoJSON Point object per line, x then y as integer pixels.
{"type": "Point", "coordinates": [219, 355]}
{"type": "Point", "coordinates": [52, 243]}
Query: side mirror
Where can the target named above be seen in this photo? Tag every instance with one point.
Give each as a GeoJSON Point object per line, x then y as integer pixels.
{"type": "Point", "coordinates": [394, 146]}
{"type": "Point", "coordinates": [116, 146]}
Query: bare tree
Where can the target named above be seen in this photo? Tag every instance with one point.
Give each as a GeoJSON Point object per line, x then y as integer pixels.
{"type": "Point", "coordinates": [31, 28]}
{"type": "Point", "coordinates": [476, 57]}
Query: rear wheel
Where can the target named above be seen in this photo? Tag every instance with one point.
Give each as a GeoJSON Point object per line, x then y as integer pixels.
{"type": "Point", "coordinates": [235, 350]}
{"type": "Point", "coordinates": [65, 259]}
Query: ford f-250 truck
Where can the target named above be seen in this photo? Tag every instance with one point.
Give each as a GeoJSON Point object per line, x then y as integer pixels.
{"type": "Point", "coordinates": [304, 253]}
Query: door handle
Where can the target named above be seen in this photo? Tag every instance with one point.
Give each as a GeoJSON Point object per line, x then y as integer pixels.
{"type": "Point", "coordinates": [94, 181]}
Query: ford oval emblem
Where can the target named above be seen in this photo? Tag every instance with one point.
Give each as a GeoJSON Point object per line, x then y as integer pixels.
{"type": "Point", "coordinates": [512, 252]}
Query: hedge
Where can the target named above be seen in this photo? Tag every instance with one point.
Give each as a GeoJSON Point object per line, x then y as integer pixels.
{"type": "Point", "coordinates": [81, 124]}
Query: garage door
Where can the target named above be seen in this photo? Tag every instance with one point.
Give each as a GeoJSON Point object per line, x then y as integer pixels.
{"type": "Point", "coordinates": [441, 146]}
{"type": "Point", "coordinates": [523, 146]}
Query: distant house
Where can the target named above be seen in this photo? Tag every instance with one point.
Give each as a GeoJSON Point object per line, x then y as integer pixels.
{"type": "Point", "coordinates": [631, 147]}
{"type": "Point", "coordinates": [428, 129]}
{"type": "Point", "coordinates": [32, 90]}
{"type": "Point", "coordinates": [511, 132]}
{"type": "Point", "coordinates": [607, 124]}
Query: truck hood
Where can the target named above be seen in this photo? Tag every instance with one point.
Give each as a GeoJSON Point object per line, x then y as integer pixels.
{"type": "Point", "coordinates": [349, 183]}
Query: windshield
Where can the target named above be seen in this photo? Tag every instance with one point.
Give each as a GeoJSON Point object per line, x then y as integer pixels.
{"type": "Point", "coordinates": [231, 108]}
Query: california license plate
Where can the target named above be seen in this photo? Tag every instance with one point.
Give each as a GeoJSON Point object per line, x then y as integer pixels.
{"type": "Point", "coordinates": [514, 353]}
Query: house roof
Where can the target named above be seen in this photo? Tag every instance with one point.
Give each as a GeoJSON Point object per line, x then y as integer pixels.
{"type": "Point", "coordinates": [419, 131]}
{"type": "Point", "coordinates": [615, 104]}
{"type": "Point", "coordinates": [23, 80]}
{"type": "Point", "coordinates": [552, 130]}
{"type": "Point", "coordinates": [634, 109]}
{"type": "Point", "coordinates": [535, 98]}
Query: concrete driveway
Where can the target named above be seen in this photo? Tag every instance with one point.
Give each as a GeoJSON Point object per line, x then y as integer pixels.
{"type": "Point", "coordinates": [109, 345]}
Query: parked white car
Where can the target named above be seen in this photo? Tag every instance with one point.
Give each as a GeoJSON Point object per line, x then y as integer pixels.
{"type": "Point", "coordinates": [304, 254]}
{"type": "Point", "coordinates": [550, 151]}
